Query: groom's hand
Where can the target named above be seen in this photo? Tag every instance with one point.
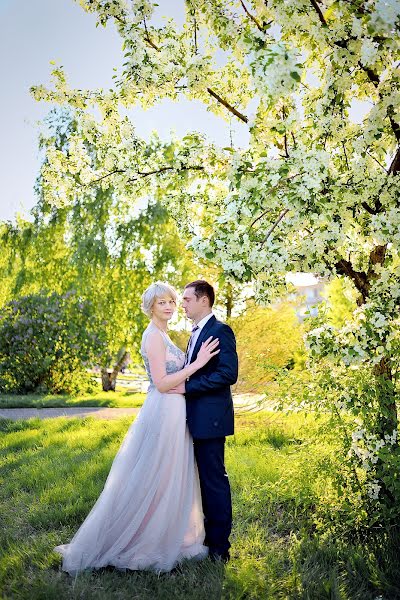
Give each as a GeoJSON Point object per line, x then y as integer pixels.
{"type": "Point", "coordinates": [179, 389]}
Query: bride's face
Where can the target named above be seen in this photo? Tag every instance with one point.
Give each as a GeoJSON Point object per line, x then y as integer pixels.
{"type": "Point", "coordinates": [163, 308]}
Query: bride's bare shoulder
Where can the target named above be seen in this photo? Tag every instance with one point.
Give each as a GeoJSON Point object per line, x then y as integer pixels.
{"type": "Point", "coordinates": [154, 339]}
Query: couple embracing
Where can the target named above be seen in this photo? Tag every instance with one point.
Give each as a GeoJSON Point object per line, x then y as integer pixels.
{"type": "Point", "coordinates": [167, 496]}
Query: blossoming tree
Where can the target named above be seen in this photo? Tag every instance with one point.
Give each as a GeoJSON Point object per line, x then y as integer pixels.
{"type": "Point", "coordinates": [316, 190]}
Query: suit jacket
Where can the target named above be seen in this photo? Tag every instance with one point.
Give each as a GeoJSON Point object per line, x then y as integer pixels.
{"type": "Point", "coordinates": [209, 406]}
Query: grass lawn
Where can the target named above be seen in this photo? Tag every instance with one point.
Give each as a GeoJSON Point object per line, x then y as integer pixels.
{"type": "Point", "coordinates": [52, 471]}
{"type": "Point", "coordinates": [122, 398]}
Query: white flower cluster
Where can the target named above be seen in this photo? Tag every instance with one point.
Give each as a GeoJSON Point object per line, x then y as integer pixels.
{"type": "Point", "coordinates": [275, 68]}
{"type": "Point", "coordinates": [366, 446]}
{"type": "Point", "coordinates": [140, 9]}
{"type": "Point", "coordinates": [320, 340]}
{"type": "Point", "coordinates": [373, 489]}
{"type": "Point", "coordinates": [386, 15]}
{"type": "Point", "coordinates": [106, 9]}
{"type": "Point", "coordinates": [369, 52]}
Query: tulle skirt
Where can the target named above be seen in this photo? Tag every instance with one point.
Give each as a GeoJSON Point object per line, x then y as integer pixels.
{"type": "Point", "coordinates": [149, 514]}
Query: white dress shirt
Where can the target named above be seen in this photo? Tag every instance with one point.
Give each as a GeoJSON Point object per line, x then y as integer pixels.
{"type": "Point", "coordinates": [196, 334]}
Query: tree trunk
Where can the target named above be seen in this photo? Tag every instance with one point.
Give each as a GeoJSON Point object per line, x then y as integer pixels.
{"type": "Point", "coordinates": [388, 418]}
{"type": "Point", "coordinates": [109, 376]}
{"type": "Point", "coordinates": [387, 422]}
{"type": "Point", "coordinates": [108, 379]}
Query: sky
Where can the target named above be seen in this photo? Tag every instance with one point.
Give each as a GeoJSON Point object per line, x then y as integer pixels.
{"type": "Point", "coordinates": [34, 32]}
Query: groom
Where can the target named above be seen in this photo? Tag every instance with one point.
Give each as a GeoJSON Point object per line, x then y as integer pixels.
{"type": "Point", "coordinates": [209, 410]}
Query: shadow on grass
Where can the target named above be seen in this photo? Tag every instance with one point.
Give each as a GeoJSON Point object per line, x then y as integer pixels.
{"type": "Point", "coordinates": [9, 425]}
{"type": "Point", "coordinates": [36, 568]}
{"type": "Point", "coordinates": [334, 568]}
{"type": "Point", "coordinates": [62, 473]}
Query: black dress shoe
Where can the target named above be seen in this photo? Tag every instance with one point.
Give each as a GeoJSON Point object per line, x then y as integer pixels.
{"type": "Point", "coordinates": [216, 557]}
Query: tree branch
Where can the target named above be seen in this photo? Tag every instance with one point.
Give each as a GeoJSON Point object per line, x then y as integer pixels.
{"type": "Point", "coordinates": [195, 34]}
{"type": "Point", "coordinates": [252, 17]}
{"type": "Point", "coordinates": [377, 161]}
{"type": "Point", "coordinates": [147, 37]}
{"type": "Point", "coordinates": [259, 217]}
{"type": "Point", "coordinates": [285, 141]}
{"type": "Point", "coordinates": [376, 257]}
{"type": "Point", "coordinates": [360, 279]}
{"type": "Point", "coordinates": [395, 166]}
{"type": "Point", "coordinates": [104, 177]}
{"type": "Point", "coordinates": [286, 145]}
{"type": "Point", "coordinates": [345, 156]}
{"type": "Point", "coordinates": [271, 229]}
{"type": "Point", "coordinates": [372, 76]}
{"type": "Point", "coordinates": [275, 187]}
{"type": "Point", "coordinates": [369, 210]}
{"type": "Point", "coordinates": [395, 126]}
{"type": "Point", "coordinates": [151, 43]}
{"type": "Point", "coordinates": [231, 108]}
{"type": "Point", "coordinates": [164, 169]}
{"type": "Point", "coordinates": [119, 19]}
{"type": "Point", "coordinates": [147, 173]}
{"type": "Point", "coordinates": [319, 13]}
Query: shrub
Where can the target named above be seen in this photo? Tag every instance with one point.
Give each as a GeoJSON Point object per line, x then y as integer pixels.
{"type": "Point", "coordinates": [268, 338]}
{"type": "Point", "coordinates": [47, 342]}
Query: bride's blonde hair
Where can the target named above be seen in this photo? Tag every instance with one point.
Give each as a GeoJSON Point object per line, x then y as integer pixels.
{"type": "Point", "coordinates": [156, 290]}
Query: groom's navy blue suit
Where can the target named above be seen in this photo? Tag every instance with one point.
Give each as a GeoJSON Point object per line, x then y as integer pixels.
{"type": "Point", "coordinates": [209, 411]}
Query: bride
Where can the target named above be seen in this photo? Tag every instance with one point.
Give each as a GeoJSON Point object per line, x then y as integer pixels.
{"type": "Point", "coordinates": [149, 514]}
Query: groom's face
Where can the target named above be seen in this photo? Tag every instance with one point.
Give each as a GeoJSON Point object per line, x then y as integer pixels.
{"type": "Point", "coordinates": [191, 304]}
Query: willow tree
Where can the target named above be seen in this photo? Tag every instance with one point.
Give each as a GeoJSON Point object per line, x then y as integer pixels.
{"type": "Point", "coordinates": [315, 190]}
{"type": "Point", "coordinates": [100, 247]}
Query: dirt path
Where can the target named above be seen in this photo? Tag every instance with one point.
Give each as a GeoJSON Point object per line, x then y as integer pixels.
{"type": "Point", "coordinates": [242, 402]}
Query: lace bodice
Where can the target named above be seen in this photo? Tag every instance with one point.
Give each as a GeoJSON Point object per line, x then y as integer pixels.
{"type": "Point", "coordinates": [174, 357]}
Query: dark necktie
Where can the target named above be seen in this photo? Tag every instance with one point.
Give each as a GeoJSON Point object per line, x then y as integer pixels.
{"type": "Point", "coordinates": [190, 344]}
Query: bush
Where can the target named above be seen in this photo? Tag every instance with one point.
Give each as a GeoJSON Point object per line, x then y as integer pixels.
{"type": "Point", "coordinates": [47, 342]}
{"type": "Point", "coordinates": [180, 338]}
{"type": "Point", "coordinates": [268, 339]}
{"type": "Point", "coordinates": [341, 297]}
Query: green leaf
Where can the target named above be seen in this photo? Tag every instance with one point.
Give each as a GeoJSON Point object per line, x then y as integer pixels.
{"type": "Point", "coordinates": [295, 75]}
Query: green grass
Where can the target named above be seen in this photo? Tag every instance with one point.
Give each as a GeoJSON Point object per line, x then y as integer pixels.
{"type": "Point", "coordinates": [52, 471]}
{"type": "Point", "coordinates": [122, 398]}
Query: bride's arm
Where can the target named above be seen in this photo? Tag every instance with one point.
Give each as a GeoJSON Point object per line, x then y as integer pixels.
{"type": "Point", "coordinates": [155, 349]}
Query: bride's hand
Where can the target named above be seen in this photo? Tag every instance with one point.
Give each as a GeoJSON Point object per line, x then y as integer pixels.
{"type": "Point", "coordinates": [207, 351]}
{"type": "Point", "coordinates": [178, 389]}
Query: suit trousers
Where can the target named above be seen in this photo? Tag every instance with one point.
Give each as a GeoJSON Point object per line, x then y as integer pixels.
{"type": "Point", "coordinates": [215, 493]}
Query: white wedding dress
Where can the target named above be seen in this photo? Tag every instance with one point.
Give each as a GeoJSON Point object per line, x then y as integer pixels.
{"type": "Point", "coordinates": [149, 514]}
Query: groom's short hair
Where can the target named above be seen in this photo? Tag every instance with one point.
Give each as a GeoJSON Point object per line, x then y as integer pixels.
{"type": "Point", "coordinates": [202, 288]}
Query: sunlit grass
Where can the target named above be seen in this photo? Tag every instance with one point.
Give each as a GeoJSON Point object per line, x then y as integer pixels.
{"type": "Point", "coordinates": [122, 398]}
{"type": "Point", "coordinates": [52, 471]}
